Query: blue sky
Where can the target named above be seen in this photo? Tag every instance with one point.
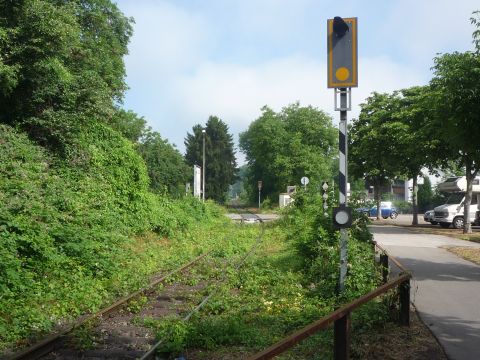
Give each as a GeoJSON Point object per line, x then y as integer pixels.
{"type": "Point", "coordinates": [192, 59]}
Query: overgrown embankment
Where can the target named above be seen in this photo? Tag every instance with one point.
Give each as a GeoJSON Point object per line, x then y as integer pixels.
{"type": "Point", "coordinates": [67, 228]}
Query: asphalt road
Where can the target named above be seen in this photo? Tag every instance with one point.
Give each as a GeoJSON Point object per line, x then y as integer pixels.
{"type": "Point", "coordinates": [445, 288]}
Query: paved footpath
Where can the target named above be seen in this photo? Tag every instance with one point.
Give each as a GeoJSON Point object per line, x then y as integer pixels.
{"type": "Point", "coordinates": [445, 288]}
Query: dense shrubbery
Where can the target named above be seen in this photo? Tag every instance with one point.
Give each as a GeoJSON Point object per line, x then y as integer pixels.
{"type": "Point", "coordinates": [66, 224]}
{"type": "Point", "coordinates": [317, 243]}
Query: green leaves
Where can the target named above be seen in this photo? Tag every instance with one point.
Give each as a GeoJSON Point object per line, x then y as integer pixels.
{"type": "Point", "coordinates": [220, 159]}
{"type": "Point", "coordinates": [61, 56]}
{"type": "Point", "coordinates": [282, 147]}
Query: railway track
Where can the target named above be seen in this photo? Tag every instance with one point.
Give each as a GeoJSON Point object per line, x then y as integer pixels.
{"type": "Point", "coordinates": [119, 331]}
{"type": "Point", "coordinates": [246, 216]}
{"type": "Point", "coordinates": [64, 344]}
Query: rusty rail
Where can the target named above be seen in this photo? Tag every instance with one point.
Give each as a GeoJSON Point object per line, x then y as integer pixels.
{"type": "Point", "coordinates": [341, 317]}
{"type": "Point", "coordinates": [48, 344]}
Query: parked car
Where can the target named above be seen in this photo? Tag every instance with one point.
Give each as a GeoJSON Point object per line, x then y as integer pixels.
{"type": "Point", "coordinates": [429, 216]}
{"type": "Point", "coordinates": [451, 213]}
{"type": "Point", "coordinates": [386, 208]}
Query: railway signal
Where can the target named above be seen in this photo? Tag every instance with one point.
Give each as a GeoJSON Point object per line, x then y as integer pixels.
{"type": "Point", "coordinates": [342, 76]}
{"type": "Point", "coordinates": [342, 52]}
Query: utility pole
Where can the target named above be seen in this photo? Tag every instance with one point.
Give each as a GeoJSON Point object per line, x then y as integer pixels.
{"type": "Point", "coordinates": [203, 166]}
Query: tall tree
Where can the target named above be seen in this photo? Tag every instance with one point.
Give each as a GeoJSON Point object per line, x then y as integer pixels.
{"type": "Point", "coordinates": [61, 65]}
{"type": "Point", "coordinates": [166, 167]}
{"type": "Point", "coordinates": [282, 147]}
{"type": "Point", "coordinates": [425, 194]}
{"type": "Point", "coordinates": [456, 99]}
{"type": "Point", "coordinates": [220, 159]}
{"type": "Point", "coordinates": [374, 143]}
{"type": "Point", "coordinates": [417, 141]}
{"type": "Point", "coordinates": [193, 146]}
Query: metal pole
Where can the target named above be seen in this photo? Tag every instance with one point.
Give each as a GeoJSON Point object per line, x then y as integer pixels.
{"type": "Point", "coordinates": [342, 186]}
{"type": "Point", "coordinates": [259, 199]}
{"type": "Point", "coordinates": [203, 167]}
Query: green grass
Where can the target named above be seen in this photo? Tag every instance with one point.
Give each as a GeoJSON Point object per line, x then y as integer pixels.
{"type": "Point", "coordinates": [258, 305]}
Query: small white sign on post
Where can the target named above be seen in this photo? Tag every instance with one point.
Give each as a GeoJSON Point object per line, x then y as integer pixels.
{"type": "Point", "coordinates": [304, 180]}
{"type": "Point", "coordinates": [197, 181]}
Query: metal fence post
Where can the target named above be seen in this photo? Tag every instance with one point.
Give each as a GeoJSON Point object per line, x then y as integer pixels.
{"type": "Point", "coordinates": [404, 315]}
{"type": "Point", "coordinates": [341, 338]}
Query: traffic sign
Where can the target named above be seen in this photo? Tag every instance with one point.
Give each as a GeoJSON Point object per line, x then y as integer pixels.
{"type": "Point", "coordinates": [304, 180]}
{"type": "Point", "coordinates": [342, 52]}
{"type": "Point", "coordinates": [259, 185]}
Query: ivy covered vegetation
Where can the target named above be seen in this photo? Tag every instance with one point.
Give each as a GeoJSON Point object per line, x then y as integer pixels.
{"type": "Point", "coordinates": [67, 231]}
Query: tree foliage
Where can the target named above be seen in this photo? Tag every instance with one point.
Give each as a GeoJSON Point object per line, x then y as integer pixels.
{"type": "Point", "coordinates": [73, 186]}
{"type": "Point", "coordinates": [129, 124]}
{"type": "Point", "coordinates": [282, 147]}
{"type": "Point", "coordinates": [220, 162]}
{"type": "Point", "coordinates": [375, 142]}
{"type": "Point", "coordinates": [425, 195]}
{"type": "Point", "coordinates": [166, 167]}
{"type": "Point", "coordinates": [456, 99]}
{"type": "Point", "coordinates": [393, 137]}
{"type": "Point", "coordinates": [419, 142]}
{"type": "Point", "coordinates": [61, 65]}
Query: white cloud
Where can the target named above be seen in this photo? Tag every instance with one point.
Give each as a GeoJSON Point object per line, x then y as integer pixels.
{"type": "Point", "coordinates": [181, 68]}
{"type": "Point", "coordinates": [423, 28]}
{"type": "Point", "coordinates": [237, 92]}
{"type": "Point", "coordinates": [166, 39]}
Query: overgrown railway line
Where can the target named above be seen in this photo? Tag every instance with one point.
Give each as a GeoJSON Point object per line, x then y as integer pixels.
{"type": "Point", "coordinates": [120, 331]}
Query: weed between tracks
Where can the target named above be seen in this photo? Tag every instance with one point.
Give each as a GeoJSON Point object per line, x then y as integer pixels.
{"type": "Point", "coordinates": [261, 303]}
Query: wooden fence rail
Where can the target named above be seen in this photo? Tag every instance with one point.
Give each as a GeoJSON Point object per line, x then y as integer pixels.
{"type": "Point", "coordinates": [341, 317]}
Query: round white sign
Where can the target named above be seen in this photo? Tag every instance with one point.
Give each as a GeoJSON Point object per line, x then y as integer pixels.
{"type": "Point", "coordinates": [341, 217]}
{"type": "Point", "coordinates": [304, 180]}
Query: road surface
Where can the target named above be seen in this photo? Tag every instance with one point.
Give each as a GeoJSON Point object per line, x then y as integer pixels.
{"type": "Point", "coordinates": [445, 288]}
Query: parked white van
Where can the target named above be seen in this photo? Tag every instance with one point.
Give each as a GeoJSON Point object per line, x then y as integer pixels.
{"type": "Point", "coordinates": [451, 213]}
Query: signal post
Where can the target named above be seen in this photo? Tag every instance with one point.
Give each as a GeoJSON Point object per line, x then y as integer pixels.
{"type": "Point", "coordinates": [342, 76]}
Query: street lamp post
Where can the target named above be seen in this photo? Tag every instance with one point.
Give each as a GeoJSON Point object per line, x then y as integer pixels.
{"type": "Point", "coordinates": [203, 167]}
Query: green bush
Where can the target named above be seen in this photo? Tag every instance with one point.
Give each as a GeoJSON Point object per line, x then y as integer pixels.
{"type": "Point", "coordinates": [317, 242]}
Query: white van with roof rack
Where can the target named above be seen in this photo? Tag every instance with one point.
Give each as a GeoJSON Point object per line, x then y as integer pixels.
{"type": "Point", "coordinates": [451, 213]}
